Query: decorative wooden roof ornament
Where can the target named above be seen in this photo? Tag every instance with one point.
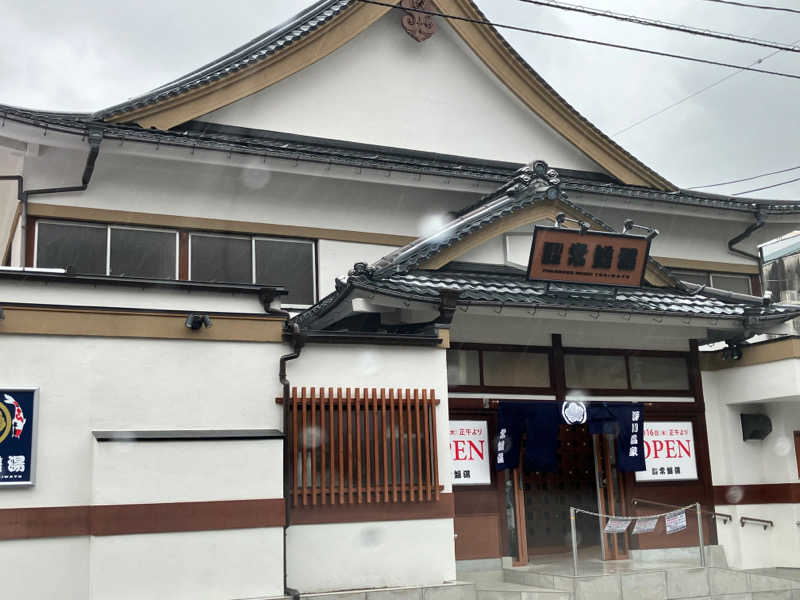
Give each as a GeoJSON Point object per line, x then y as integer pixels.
{"type": "Point", "coordinates": [418, 25]}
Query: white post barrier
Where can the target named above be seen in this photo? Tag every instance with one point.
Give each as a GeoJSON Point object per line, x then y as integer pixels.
{"type": "Point", "coordinates": [700, 534]}
{"type": "Point", "coordinates": [574, 541]}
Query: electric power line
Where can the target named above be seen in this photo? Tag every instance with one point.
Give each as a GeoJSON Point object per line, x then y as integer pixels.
{"type": "Point", "coordinates": [700, 187]}
{"type": "Point", "coordinates": [696, 93]}
{"type": "Point", "coordinates": [766, 187]}
{"type": "Point", "coordinates": [663, 25]}
{"type": "Point", "coordinates": [582, 40]}
{"type": "Point", "coordinates": [759, 6]}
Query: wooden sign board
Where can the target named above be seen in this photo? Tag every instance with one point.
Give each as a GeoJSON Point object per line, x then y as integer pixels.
{"type": "Point", "coordinates": [560, 254]}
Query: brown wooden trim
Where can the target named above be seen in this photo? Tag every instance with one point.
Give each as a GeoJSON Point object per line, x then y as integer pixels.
{"type": "Point", "coordinates": [755, 354]}
{"type": "Point", "coordinates": [762, 493]}
{"type": "Point", "coordinates": [6, 257]}
{"type": "Point", "coordinates": [359, 513]}
{"type": "Point", "coordinates": [30, 240]}
{"type": "Point", "coordinates": [707, 265]}
{"type": "Point", "coordinates": [55, 521]}
{"type": "Point", "coordinates": [797, 451]}
{"type": "Point", "coordinates": [102, 215]}
{"type": "Point", "coordinates": [183, 255]}
{"type": "Point", "coordinates": [126, 519]}
{"type": "Point", "coordinates": [38, 320]}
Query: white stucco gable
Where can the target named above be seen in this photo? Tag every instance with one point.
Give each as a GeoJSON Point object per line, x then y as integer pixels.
{"type": "Point", "coordinates": [385, 88]}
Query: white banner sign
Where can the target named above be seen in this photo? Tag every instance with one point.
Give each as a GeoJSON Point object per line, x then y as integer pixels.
{"type": "Point", "coordinates": [645, 525]}
{"type": "Point", "coordinates": [469, 452]}
{"type": "Point", "coordinates": [675, 521]}
{"type": "Point", "coordinates": [669, 451]}
{"type": "Point", "coordinates": [616, 525]}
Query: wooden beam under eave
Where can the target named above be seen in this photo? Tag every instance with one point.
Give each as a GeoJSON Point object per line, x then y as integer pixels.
{"type": "Point", "coordinates": [296, 57]}
{"type": "Point", "coordinates": [542, 100]}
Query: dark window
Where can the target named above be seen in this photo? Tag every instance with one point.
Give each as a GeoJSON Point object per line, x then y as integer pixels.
{"type": "Point", "coordinates": [220, 258]}
{"type": "Point", "coordinates": [698, 277]}
{"type": "Point", "coordinates": [143, 253]}
{"type": "Point", "coordinates": [603, 255]}
{"type": "Point", "coordinates": [627, 259]}
{"type": "Point", "coordinates": [732, 283]}
{"type": "Point", "coordinates": [577, 255]}
{"type": "Point", "coordinates": [82, 248]}
{"type": "Point", "coordinates": [551, 253]}
{"type": "Point", "coordinates": [287, 263]}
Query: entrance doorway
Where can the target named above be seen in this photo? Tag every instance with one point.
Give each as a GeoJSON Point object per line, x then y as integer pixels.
{"type": "Point", "coordinates": [587, 478]}
{"type": "Point", "coordinates": [548, 496]}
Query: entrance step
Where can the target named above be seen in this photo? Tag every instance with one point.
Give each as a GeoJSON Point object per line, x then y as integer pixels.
{"type": "Point", "coordinates": [513, 591]}
{"type": "Point", "coordinates": [457, 590]}
{"type": "Point", "coordinates": [632, 581]}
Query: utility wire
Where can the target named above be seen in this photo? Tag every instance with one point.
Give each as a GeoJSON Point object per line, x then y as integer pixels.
{"type": "Point", "coordinates": [664, 25]}
{"type": "Point", "coordinates": [766, 187]}
{"type": "Point", "coordinates": [700, 187]}
{"type": "Point", "coordinates": [759, 6]}
{"type": "Point", "coordinates": [562, 36]}
{"type": "Point", "coordinates": [696, 93]}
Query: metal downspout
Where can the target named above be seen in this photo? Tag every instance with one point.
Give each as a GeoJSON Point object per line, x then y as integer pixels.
{"type": "Point", "coordinates": [298, 340]}
{"type": "Point", "coordinates": [760, 222]}
{"type": "Point", "coordinates": [95, 138]}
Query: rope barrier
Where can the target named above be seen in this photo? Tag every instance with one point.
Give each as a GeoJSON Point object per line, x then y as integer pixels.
{"type": "Point", "coordinates": [674, 510]}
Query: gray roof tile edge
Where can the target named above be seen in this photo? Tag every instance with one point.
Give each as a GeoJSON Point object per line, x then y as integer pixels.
{"type": "Point", "coordinates": [391, 159]}
{"type": "Point", "coordinates": [254, 51]}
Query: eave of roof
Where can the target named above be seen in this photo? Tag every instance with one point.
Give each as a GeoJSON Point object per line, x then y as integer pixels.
{"type": "Point", "coordinates": [483, 289]}
{"type": "Point", "coordinates": [279, 145]}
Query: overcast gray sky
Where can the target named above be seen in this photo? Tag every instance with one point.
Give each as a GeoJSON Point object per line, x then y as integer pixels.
{"type": "Point", "coordinates": [86, 55]}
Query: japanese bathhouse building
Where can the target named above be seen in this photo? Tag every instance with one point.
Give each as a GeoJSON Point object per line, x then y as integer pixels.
{"type": "Point", "coordinates": [265, 328]}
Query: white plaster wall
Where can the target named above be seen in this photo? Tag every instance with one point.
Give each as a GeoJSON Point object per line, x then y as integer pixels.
{"type": "Point", "coordinates": [202, 565]}
{"type": "Point", "coordinates": [80, 294]}
{"type": "Point", "coordinates": [385, 88]}
{"type": "Point", "coordinates": [729, 393]}
{"type": "Point", "coordinates": [358, 555]}
{"type": "Point", "coordinates": [337, 258]}
{"type": "Point", "coordinates": [349, 556]}
{"type": "Point", "coordinates": [534, 330]}
{"type": "Point", "coordinates": [692, 234]}
{"type": "Point", "coordinates": [153, 185]}
{"type": "Point", "coordinates": [107, 383]}
{"type": "Point", "coordinates": [734, 461]}
{"type": "Point", "coordinates": [43, 569]}
{"type": "Point", "coordinates": [187, 471]}
{"type": "Point", "coordinates": [752, 547]}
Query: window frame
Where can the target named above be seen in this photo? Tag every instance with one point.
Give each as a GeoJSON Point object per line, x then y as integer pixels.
{"type": "Point", "coordinates": [142, 228]}
{"type": "Point", "coordinates": [222, 235]}
{"type": "Point", "coordinates": [108, 227]}
{"type": "Point", "coordinates": [314, 270]}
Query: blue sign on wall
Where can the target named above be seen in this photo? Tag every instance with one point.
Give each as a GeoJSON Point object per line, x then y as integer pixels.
{"type": "Point", "coordinates": [17, 436]}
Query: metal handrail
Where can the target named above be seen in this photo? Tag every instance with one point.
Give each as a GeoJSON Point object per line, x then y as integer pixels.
{"type": "Point", "coordinates": [763, 522]}
{"type": "Point", "coordinates": [726, 518]}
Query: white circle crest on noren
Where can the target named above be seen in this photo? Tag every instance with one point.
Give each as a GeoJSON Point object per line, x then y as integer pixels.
{"type": "Point", "coordinates": [574, 413]}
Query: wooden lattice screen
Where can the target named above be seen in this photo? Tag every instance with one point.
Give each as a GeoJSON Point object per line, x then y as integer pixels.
{"type": "Point", "coordinates": [363, 445]}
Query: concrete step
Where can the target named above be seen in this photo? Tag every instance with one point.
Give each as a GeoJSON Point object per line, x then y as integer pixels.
{"type": "Point", "coordinates": [682, 583]}
{"type": "Point", "coordinates": [457, 590]}
{"type": "Point", "coordinates": [512, 591]}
